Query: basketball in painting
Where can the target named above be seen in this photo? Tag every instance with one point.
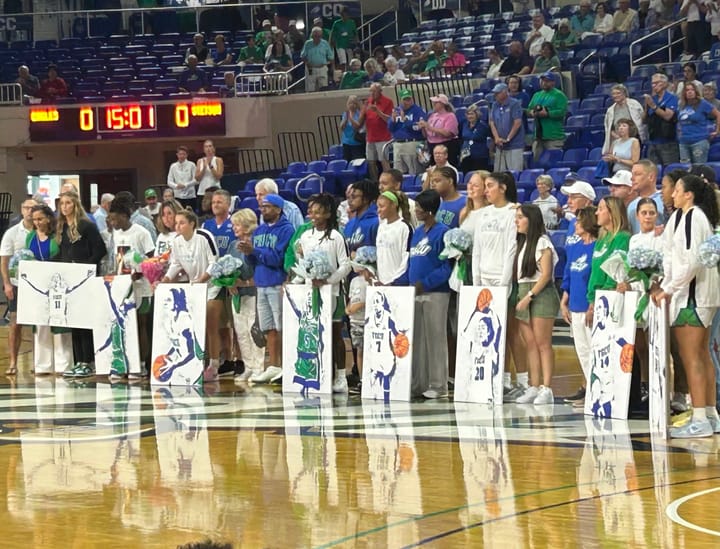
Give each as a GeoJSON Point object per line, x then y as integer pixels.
{"type": "Point", "coordinates": [626, 357]}
{"type": "Point", "coordinates": [158, 363]}
{"type": "Point", "coordinates": [401, 345]}
{"type": "Point", "coordinates": [483, 299]}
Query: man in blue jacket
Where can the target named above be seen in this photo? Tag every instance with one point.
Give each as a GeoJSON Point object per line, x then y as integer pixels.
{"type": "Point", "coordinates": [362, 228]}
{"type": "Point", "coordinates": [266, 252]}
{"type": "Point", "coordinates": [406, 134]}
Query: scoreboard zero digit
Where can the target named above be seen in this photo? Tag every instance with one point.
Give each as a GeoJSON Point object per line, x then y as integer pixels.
{"type": "Point", "coordinates": [126, 121]}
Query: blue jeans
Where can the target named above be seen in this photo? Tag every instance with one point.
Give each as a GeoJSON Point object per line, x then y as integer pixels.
{"type": "Point", "coordinates": [695, 153]}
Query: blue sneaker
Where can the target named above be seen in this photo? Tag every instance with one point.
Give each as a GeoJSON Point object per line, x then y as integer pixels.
{"type": "Point", "coordinates": [693, 429]}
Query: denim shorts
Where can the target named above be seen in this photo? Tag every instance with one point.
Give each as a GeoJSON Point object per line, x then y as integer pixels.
{"type": "Point", "coordinates": [269, 308]}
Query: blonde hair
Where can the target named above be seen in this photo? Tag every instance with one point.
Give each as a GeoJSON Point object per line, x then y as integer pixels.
{"type": "Point", "coordinates": [72, 223]}
{"type": "Point", "coordinates": [470, 203]}
{"type": "Point", "coordinates": [175, 206]}
{"type": "Point", "coordinates": [618, 216]}
{"type": "Point", "coordinates": [245, 218]}
{"type": "Point", "coordinates": [545, 180]}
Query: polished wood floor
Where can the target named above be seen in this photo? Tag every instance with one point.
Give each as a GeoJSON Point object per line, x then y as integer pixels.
{"type": "Point", "coordinates": [90, 465]}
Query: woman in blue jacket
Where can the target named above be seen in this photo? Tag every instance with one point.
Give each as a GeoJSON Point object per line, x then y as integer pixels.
{"type": "Point", "coordinates": [429, 274]}
{"type": "Point", "coordinates": [474, 131]}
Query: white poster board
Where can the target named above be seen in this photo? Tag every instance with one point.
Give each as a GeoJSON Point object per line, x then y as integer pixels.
{"type": "Point", "coordinates": [57, 294]}
{"type": "Point", "coordinates": [388, 348]}
{"type": "Point", "coordinates": [480, 359]}
{"type": "Point", "coordinates": [307, 339]}
{"type": "Point", "coordinates": [178, 347]}
{"type": "Point", "coordinates": [117, 349]}
{"type": "Point", "coordinates": [659, 344]}
{"type": "Point", "coordinates": [613, 347]}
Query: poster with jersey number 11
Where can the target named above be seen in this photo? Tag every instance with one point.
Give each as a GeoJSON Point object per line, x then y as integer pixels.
{"type": "Point", "coordinates": [178, 347]}
{"type": "Point", "coordinates": [388, 345]}
{"type": "Point", "coordinates": [480, 362]}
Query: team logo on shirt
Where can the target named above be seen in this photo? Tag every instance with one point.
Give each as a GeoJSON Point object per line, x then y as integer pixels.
{"type": "Point", "coordinates": [580, 264]}
{"type": "Point", "coordinates": [601, 251]}
{"type": "Point", "coordinates": [356, 238]}
{"type": "Point", "coordinates": [421, 248]}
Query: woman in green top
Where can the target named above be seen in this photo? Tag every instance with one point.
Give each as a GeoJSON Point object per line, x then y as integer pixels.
{"type": "Point", "coordinates": [52, 347]}
{"type": "Point", "coordinates": [564, 38]}
{"type": "Point", "coordinates": [547, 60]}
{"type": "Point", "coordinates": [614, 235]}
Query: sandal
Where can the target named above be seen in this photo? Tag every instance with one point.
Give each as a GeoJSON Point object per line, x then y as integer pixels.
{"type": "Point", "coordinates": [11, 371]}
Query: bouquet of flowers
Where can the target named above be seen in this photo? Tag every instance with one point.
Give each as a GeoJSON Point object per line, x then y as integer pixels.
{"type": "Point", "coordinates": [154, 268]}
{"type": "Point", "coordinates": [314, 265]}
{"type": "Point", "coordinates": [16, 258]}
{"type": "Point", "coordinates": [365, 258]}
{"type": "Point", "coordinates": [709, 251]}
{"type": "Point", "coordinates": [131, 260]}
{"type": "Point", "coordinates": [458, 244]}
{"type": "Point", "coordinates": [225, 271]}
{"type": "Point", "coordinates": [640, 264]}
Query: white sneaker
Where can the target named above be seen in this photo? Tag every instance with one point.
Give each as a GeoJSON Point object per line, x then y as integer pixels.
{"type": "Point", "coordinates": [246, 375]}
{"type": "Point", "coordinates": [434, 393]}
{"type": "Point", "coordinates": [528, 397]}
{"type": "Point", "coordinates": [340, 384]}
{"type": "Point", "coordinates": [679, 403]}
{"type": "Point", "coordinates": [544, 396]}
{"type": "Point", "coordinates": [714, 423]}
{"type": "Point", "coordinates": [267, 375]}
{"type": "Point", "coordinates": [694, 429]}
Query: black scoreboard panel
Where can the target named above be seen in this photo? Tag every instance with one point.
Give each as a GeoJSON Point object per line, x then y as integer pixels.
{"type": "Point", "coordinates": [126, 121]}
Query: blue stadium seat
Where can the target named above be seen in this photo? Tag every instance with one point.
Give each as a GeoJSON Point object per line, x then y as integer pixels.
{"type": "Point", "coordinates": [573, 158]}
{"type": "Point", "coordinates": [549, 158]}
{"type": "Point", "coordinates": [527, 177]}
{"type": "Point", "coordinates": [591, 105]}
{"type": "Point", "coordinates": [714, 153]}
{"type": "Point", "coordinates": [594, 156]}
{"type": "Point", "coordinates": [577, 122]}
{"type": "Point", "coordinates": [558, 175]}
{"type": "Point", "coordinates": [676, 166]}
{"type": "Point", "coordinates": [317, 166]}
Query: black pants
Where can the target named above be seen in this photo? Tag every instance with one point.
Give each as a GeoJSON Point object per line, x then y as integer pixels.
{"type": "Point", "coordinates": [186, 203]}
{"type": "Point", "coordinates": [351, 152]}
{"type": "Point", "coordinates": [83, 348]}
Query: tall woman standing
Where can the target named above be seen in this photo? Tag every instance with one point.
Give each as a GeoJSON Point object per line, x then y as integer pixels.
{"type": "Point", "coordinates": [693, 293]}
{"type": "Point", "coordinates": [208, 170]}
{"type": "Point", "coordinates": [79, 241]}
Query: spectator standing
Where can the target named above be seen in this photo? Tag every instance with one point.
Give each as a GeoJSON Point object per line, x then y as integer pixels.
{"type": "Point", "coordinates": [661, 108]}
{"type": "Point", "coordinates": [102, 211]}
{"type": "Point", "coordinates": [625, 149]}
{"type": "Point", "coordinates": [343, 36]}
{"type": "Point", "coordinates": [294, 38]}
{"type": "Point", "coordinates": [548, 106]}
{"type": "Point", "coordinates": [318, 57]}
{"type": "Point", "coordinates": [53, 87]}
{"type": "Point", "coordinates": [193, 79]}
{"type": "Point", "coordinates": [266, 253]}
{"type": "Point", "coordinates": [441, 127]}
{"type": "Point", "coordinates": [361, 229]}
{"type": "Point", "coordinates": [165, 225]}
{"type": "Point", "coordinates": [151, 209]}
{"type": "Point", "coordinates": [406, 133]}
{"type": "Point", "coordinates": [623, 107]}
{"type": "Point", "coordinates": [291, 212]}
{"type": "Point", "coordinates": [352, 136]}
{"type": "Point", "coordinates": [538, 35]}
{"type": "Point", "coordinates": [517, 61]}
{"type": "Point", "coordinates": [220, 225]}
{"type": "Point", "coordinates": [375, 117]}
{"type": "Point", "coordinates": [692, 128]}
{"type": "Point", "coordinates": [474, 131]}
{"type": "Point", "coordinates": [547, 203]}
{"type": "Point", "coordinates": [697, 31]}
{"type": "Point", "coordinates": [516, 91]}
{"type": "Point", "coordinates": [209, 169]}
{"type": "Point", "coordinates": [625, 18]}
{"type": "Point", "coordinates": [508, 133]}
{"type": "Point", "coordinates": [198, 49]}
{"type": "Point", "coordinates": [181, 178]}
{"type": "Point", "coordinates": [689, 75]}
{"type": "Point", "coordinates": [621, 187]}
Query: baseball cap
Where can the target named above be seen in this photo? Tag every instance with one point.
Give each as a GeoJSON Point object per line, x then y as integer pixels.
{"type": "Point", "coordinates": [266, 22]}
{"type": "Point", "coordinates": [621, 177]}
{"type": "Point", "coordinates": [150, 193]}
{"type": "Point", "coordinates": [579, 187]}
{"type": "Point", "coordinates": [571, 176]}
{"type": "Point", "coordinates": [501, 87]}
{"type": "Point", "coordinates": [440, 98]}
{"type": "Point", "coordinates": [273, 200]}
{"type": "Point", "coordinates": [548, 75]}
{"type": "Point", "coordinates": [405, 94]}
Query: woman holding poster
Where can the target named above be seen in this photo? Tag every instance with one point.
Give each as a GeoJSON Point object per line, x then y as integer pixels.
{"type": "Point", "coordinates": [693, 293]}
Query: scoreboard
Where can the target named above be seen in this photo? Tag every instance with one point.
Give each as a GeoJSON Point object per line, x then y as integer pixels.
{"type": "Point", "coordinates": [126, 121]}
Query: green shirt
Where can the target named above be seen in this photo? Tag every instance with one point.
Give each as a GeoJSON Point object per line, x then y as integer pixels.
{"type": "Point", "coordinates": [290, 259]}
{"type": "Point", "coordinates": [352, 80]}
{"type": "Point", "coordinates": [543, 64]}
{"type": "Point", "coordinates": [343, 33]}
{"type": "Point", "coordinates": [256, 53]}
{"type": "Point", "coordinates": [604, 247]}
{"type": "Point", "coordinates": [553, 125]}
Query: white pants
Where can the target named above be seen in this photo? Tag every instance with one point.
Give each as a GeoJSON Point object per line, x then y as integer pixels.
{"type": "Point", "coordinates": [581, 339]}
{"type": "Point", "coordinates": [315, 78]}
{"type": "Point", "coordinates": [252, 355]}
{"type": "Point", "coordinates": [53, 353]}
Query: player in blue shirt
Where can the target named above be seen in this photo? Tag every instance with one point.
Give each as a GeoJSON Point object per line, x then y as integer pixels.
{"type": "Point", "coordinates": [220, 226]}
{"type": "Point", "coordinates": [444, 182]}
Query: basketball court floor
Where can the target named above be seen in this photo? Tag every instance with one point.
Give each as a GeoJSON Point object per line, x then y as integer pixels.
{"type": "Point", "coordinates": [93, 465]}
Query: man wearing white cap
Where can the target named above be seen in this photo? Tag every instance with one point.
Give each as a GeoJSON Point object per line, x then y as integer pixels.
{"type": "Point", "coordinates": [580, 195]}
{"type": "Point", "coordinates": [263, 38]}
{"type": "Point", "coordinates": [621, 186]}
{"type": "Point", "coordinates": [506, 126]}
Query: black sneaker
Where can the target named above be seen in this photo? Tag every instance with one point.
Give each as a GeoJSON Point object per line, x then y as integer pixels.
{"type": "Point", "coordinates": [356, 388]}
{"type": "Point", "coordinates": [580, 395]}
{"type": "Point", "coordinates": [227, 369]}
{"type": "Point", "coordinates": [239, 367]}
{"type": "Point", "coordinates": [644, 391]}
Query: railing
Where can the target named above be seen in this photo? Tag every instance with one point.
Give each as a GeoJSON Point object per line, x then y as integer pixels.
{"type": "Point", "coordinates": [11, 94]}
{"type": "Point", "coordinates": [423, 89]}
{"type": "Point", "coordinates": [587, 59]}
{"type": "Point", "coordinates": [668, 30]}
{"type": "Point", "coordinates": [307, 178]}
{"type": "Point", "coordinates": [264, 83]}
{"type": "Point", "coordinates": [297, 147]}
{"type": "Point", "coordinates": [366, 34]}
{"type": "Point", "coordinates": [257, 161]}
{"type": "Point", "coordinates": [329, 130]}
